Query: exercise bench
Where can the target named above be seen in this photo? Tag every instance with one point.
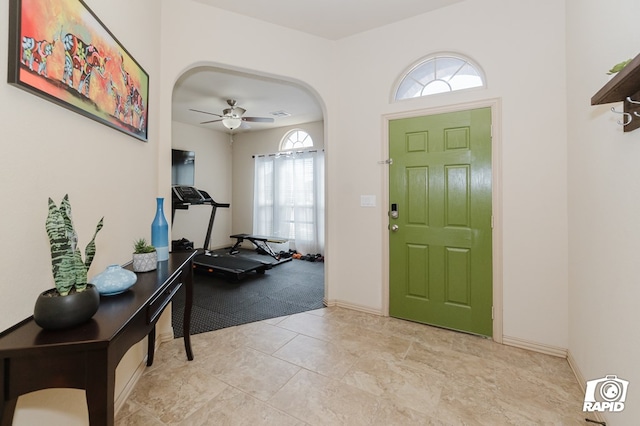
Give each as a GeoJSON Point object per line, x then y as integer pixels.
{"type": "Point", "coordinates": [260, 241]}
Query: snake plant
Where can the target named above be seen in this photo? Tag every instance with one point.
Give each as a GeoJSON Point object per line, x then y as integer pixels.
{"type": "Point", "coordinates": [69, 270]}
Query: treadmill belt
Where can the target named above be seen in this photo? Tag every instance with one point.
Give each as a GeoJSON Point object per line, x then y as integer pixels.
{"type": "Point", "coordinates": [228, 263]}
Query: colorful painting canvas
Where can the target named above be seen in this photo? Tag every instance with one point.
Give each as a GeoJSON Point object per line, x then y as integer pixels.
{"type": "Point", "coordinates": [61, 51]}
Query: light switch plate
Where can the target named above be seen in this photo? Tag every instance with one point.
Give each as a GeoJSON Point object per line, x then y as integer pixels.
{"type": "Point", "coordinates": [367, 201]}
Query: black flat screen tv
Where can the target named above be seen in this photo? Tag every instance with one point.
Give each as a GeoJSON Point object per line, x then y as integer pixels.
{"type": "Point", "coordinates": [183, 167]}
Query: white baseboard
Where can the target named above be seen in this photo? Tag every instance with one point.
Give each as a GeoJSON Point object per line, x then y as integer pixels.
{"type": "Point", "coordinates": [534, 346]}
{"type": "Point", "coordinates": [121, 398]}
{"type": "Point", "coordinates": [128, 388]}
{"type": "Point", "coordinates": [555, 351]}
{"type": "Point", "coordinates": [352, 306]}
{"type": "Point", "coordinates": [576, 370]}
{"type": "Point", "coordinates": [167, 336]}
{"type": "Point", "coordinates": [581, 381]}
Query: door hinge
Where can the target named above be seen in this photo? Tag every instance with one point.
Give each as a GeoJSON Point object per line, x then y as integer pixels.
{"type": "Point", "coordinates": [491, 221]}
{"type": "Point", "coordinates": [492, 314]}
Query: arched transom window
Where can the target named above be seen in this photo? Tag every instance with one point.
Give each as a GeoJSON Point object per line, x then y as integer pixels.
{"type": "Point", "coordinates": [438, 74]}
{"type": "Point", "coordinates": [296, 139]}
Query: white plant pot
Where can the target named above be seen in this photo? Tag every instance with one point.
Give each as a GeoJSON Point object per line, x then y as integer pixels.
{"type": "Point", "coordinates": [144, 262]}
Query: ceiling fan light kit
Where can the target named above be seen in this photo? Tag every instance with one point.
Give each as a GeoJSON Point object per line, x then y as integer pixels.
{"type": "Point", "coordinates": [231, 123]}
{"type": "Point", "coordinates": [232, 117]}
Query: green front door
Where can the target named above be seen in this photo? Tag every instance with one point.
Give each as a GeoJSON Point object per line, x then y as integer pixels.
{"type": "Point", "coordinates": [440, 241]}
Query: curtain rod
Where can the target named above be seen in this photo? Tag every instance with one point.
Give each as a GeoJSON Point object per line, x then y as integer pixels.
{"type": "Point", "coordinates": [277, 154]}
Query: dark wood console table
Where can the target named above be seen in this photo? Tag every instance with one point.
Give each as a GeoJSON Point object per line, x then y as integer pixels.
{"type": "Point", "coordinates": [86, 357]}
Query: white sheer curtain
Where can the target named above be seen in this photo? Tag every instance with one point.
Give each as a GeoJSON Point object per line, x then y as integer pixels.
{"type": "Point", "coordinates": [289, 199]}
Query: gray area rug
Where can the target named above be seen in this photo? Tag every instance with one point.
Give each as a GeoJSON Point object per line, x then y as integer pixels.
{"type": "Point", "coordinates": [288, 288]}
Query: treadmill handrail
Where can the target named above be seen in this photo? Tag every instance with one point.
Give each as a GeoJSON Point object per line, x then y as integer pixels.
{"type": "Point", "coordinates": [178, 204]}
{"type": "Point", "coordinates": [208, 200]}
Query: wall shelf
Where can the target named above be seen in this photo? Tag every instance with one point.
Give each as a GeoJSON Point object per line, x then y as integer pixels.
{"type": "Point", "coordinates": [625, 83]}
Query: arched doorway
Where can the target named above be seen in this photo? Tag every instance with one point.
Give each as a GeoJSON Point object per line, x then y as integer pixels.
{"type": "Point", "coordinates": [224, 158]}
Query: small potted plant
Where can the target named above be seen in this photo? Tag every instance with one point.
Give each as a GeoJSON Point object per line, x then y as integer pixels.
{"type": "Point", "coordinates": [72, 301]}
{"type": "Point", "coordinates": [145, 257]}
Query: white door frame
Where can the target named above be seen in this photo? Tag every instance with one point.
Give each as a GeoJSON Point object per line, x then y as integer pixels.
{"type": "Point", "coordinates": [496, 199]}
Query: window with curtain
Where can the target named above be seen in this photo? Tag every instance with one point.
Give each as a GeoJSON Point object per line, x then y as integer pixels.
{"type": "Point", "coordinates": [289, 199]}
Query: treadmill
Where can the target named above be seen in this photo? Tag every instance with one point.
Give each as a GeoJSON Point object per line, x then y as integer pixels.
{"type": "Point", "coordinates": [229, 265]}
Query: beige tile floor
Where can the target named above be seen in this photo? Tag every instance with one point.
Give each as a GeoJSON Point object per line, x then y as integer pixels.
{"type": "Point", "coordinates": [337, 366]}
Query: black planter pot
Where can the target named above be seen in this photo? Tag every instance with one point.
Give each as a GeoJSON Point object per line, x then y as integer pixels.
{"type": "Point", "coordinates": [55, 312]}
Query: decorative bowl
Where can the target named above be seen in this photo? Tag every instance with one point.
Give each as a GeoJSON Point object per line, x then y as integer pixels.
{"type": "Point", "coordinates": [114, 280]}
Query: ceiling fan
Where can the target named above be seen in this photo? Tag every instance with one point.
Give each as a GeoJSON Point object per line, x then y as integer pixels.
{"type": "Point", "coordinates": [232, 117]}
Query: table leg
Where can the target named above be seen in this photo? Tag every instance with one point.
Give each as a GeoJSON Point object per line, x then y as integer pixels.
{"type": "Point", "coordinates": [151, 346]}
{"type": "Point", "coordinates": [7, 408]}
{"type": "Point", "coordinates": [100, 388]}
{"type": "Point", "coordinates": [186, 321]}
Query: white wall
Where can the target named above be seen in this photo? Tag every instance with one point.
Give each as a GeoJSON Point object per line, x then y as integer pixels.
{"type": "Point", "coordinates": [505, 38]}
{"type": "Point", "coordinates": [293, 56]}
{"type": "Point", "coordinates": [48, 151]}
{"type": "Point", "coordinates": [213, 175]}
{"type": "Point", "coordinates": [523, 52]}
{"type": "Point", "coordinates": [604, 202]}
{"type": "Point", "coordinates": [365, 68]}
{"type": "Point", "coordinates": [245, 146]}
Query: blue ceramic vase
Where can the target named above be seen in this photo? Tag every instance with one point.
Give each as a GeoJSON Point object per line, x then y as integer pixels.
{"type": "Point", "coordinates": [160, 232]}
{"type": "Point", "coordinates": [114, 280]}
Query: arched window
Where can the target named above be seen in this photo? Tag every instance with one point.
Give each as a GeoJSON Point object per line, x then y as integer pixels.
{"type": "Point", "coordinates": [439, 73]}
{"type": "Point", "coordinates": [296, 139]}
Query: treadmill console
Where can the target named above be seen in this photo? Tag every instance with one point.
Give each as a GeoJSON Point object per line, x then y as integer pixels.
{"type": "Point", "coordinates": [187, 194]}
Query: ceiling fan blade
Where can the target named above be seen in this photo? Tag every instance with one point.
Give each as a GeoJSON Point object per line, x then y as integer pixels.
{"type": "Point", "coordinates": [211, 121]}
{"type": "Point", "coordinates": [205, 112]}
{"type": "Point", "coordinates": [258, 119]}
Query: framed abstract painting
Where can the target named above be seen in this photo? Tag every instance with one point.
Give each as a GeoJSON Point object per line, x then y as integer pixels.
{"type": "Point", "coordinates": [61, 51]}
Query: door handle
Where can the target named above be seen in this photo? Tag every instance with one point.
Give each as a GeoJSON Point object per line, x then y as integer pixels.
{"type": "Point", "coordinates": [394, 228]}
